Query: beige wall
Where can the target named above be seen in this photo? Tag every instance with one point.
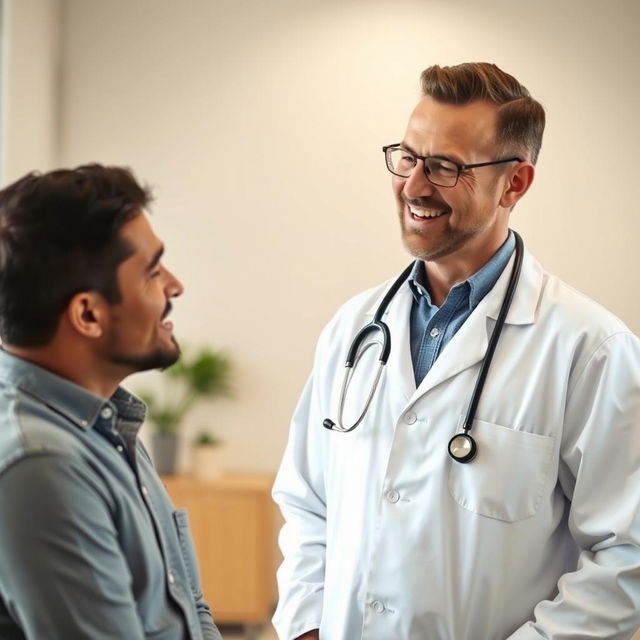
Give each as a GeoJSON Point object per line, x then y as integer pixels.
{"type": "Point", "coordinates": [205, 99]}
{"type": "Point", "coordinates": [30, 86]}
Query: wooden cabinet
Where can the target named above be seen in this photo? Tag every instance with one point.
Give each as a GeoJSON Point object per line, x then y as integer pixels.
{"type": "Point", "coordinates": [233, 523]}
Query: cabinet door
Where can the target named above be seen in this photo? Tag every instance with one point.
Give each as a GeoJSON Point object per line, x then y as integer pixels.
{"type": "Point", "coordinates": [233, 531]}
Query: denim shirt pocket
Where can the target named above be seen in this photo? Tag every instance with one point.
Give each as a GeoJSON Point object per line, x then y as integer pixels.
{"type": "Point", "coordinates": [188, 551]}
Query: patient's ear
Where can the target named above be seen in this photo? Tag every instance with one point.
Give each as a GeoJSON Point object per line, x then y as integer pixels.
{"type": "Point", "coordinates": [518, 184]}
{"type": "Point", "coordinates": [87, 314]}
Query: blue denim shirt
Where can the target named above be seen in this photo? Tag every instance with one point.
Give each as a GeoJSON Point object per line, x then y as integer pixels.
{"type": "Point", "coordinates": [90, 545]}
{"type": "Point", "coordinates": [433, 327]}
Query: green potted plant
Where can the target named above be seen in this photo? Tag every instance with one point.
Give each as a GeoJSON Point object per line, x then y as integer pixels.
{"type": "Point", "coordinates": [207, 456]}
{"type": "Point", "coordinates": [203, 375]}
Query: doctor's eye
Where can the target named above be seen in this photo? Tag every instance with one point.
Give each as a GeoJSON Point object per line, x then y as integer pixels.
{"type": "Point", "coordinates": [441, 167]}
{"type": "Point", "coordinates": [402, 160]}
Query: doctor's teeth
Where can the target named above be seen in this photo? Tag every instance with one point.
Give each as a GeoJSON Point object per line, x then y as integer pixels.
{"type": "Point", "coordinates": [423, 213]}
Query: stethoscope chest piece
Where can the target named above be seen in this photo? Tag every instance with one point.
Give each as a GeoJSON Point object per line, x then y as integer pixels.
{"type": "Point", "coordinates": [462, 447]}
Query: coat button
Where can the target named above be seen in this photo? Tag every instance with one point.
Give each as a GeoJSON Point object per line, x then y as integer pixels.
{"type": "Point", "coordinates": [410, 417]}
{"type": "Point", "coordinates": [377, 606]}
{"type": "Point", "coordinates": [393, 496]}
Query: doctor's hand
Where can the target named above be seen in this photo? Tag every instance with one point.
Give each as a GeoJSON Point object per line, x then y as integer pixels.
{"type": "Point", "coordinates": [310, 635]}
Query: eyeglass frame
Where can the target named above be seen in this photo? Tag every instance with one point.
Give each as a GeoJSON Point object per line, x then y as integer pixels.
{"type": "Point", "coordinates": [459, 167]}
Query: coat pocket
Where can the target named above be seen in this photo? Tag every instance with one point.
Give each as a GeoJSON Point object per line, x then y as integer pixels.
{"type": "Point", "coordinates": [188, 552]}
{"type": "Point", "coordinates": [507, 478]}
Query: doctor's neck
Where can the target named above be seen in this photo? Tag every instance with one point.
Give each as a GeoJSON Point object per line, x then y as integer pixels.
{"type": "Point", "coordinates": [444, 272]}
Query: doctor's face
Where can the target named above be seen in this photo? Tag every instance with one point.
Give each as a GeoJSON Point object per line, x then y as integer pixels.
{"type": "Point", "coordinates": [466, 221]}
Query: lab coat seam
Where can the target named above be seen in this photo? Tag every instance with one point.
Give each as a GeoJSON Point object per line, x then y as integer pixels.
{"type": "Point", "coordinates": [590, 359]}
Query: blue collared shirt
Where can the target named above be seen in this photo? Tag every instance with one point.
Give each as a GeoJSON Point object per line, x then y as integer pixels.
{"type": "Point", "coordinates": [90, 545]}
{"type": "Point", "coordinates": [433, 327]}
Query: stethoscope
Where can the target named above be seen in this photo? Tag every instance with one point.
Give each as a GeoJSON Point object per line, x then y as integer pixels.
{"type": "Point", "coordinates": [462, 447]}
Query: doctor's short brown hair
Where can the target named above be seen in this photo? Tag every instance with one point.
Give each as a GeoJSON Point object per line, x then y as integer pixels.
{"type": "Point", "coordinates": [521, 119]}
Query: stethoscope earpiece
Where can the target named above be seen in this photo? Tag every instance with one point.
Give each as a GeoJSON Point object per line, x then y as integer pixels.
{"type": "Point", "coordinates": [462, 447]}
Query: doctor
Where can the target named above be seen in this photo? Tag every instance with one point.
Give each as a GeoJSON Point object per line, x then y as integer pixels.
{"type": "Point", "coordinates": [387, 537]}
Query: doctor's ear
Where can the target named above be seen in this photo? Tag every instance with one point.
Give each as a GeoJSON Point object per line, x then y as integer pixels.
{"type": "Point", "coordinates": [518, 184]}
{"type": "Point", "coordinates": [87, 314]}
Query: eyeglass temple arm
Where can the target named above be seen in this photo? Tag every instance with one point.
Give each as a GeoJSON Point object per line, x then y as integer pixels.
{"type": "Point", "coordinates": [463, 167]}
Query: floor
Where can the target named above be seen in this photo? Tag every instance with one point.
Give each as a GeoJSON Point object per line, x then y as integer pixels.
{"type": "Point", "coordinates": [240, 633]}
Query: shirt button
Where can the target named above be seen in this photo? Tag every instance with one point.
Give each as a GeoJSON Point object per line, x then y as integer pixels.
{"type": "Point", "coordinates": [171, 578]}
{"type": "Point", "coordinates": [393, 496]}
{"type": "Point", "coordinates": [377, 606]}
{"type": "Point", "coordinates": [119, 448]}
{"type": "Point", "coordinates": [144, 490]}
{"type": "Point", "coordinates": [434, 332]}
{"type": "Point", "coordinates": [410, 417]}
{"type": "Point", "coordinates": [106, 413]}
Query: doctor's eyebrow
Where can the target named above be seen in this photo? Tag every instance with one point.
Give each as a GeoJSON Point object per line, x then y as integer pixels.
{"type": "Point", "coordinates": [441, 156]}
{"type": "Point", "coordinates": [155, 260]}
{"type": "Point", "coordinates": [404, 145]}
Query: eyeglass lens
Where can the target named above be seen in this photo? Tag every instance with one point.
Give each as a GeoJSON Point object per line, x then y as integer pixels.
{"type": "Point", "coordinates": [441, 172]}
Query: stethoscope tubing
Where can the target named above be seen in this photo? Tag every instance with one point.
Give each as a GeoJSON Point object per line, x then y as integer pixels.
{"type": "Point", "coordinates": [462, 447]}
{"type": "Point", "coordinates": [495, 334]}
{"type": "Point", "coordinates": [376, 325]}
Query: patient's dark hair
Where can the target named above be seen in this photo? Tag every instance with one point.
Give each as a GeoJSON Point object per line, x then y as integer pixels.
{"type": "Point", "coordinates": [59, 236]}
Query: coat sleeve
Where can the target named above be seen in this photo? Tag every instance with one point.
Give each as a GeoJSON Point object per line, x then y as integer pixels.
{"type": "Point", "coordinates": [600, 474]}
{"type": "Point", "coordinates": [299, 491]}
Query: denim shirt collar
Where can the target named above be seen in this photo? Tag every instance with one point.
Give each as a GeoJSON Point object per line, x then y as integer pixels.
{"type": "Point", "coordinates": [476, 286]}
{"type": "Point", "coordinates": [76, 403]}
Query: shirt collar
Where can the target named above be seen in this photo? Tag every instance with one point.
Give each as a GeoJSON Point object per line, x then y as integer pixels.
{"type": "Point", "coordinates": [478, 285]}
{"type": "Point", "coordinates": [483, 280]}
{"type": "Point", "coordinates": [418, 281]}
{"type": "Point", "coordinates": [76, 403]}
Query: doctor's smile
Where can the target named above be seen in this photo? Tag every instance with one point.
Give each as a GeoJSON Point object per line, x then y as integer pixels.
{"type": "Point", "coordinates": [421, 210]}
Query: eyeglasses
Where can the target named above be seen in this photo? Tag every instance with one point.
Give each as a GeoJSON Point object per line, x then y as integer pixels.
{"type": "Point", "coordinates": [439, 171]}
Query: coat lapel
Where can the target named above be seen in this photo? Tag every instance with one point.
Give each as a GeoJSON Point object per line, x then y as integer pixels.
{"type": "Point", "coordinates": [399, 367]}
{"type": "Point", "coordinates": [469, 345]}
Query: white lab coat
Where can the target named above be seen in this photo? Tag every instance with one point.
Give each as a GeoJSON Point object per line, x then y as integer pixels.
{"type": "Point", "coordinates": [387, 538]}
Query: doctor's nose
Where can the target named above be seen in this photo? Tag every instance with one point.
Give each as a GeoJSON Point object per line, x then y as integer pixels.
{"type": "Point", "coordinates": [417, 184]}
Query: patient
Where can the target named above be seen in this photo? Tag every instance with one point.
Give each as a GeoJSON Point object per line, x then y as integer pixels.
{"type": "Point", "coordinates": [90, 546]}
